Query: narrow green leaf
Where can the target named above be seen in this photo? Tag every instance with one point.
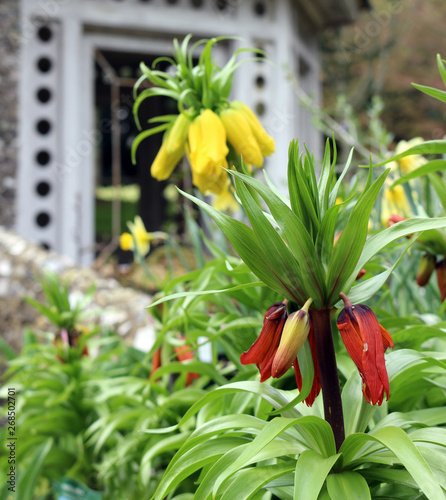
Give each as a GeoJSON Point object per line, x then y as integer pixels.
{"type": "Point", "coordinates": [397, 441]}
{"type": "Point", "coordinates": [324, 179]}
{"type": "Point", "coordinates": [246, 483]}
{"type": "Point", "coordinates": [271, 431]}
{"type": "Point", "coordinates": [431, 91]}
{"type": "Point", "coordinates": [426, 148]}
{"type": "Point", "coordinates": [143, 135]}
{"type": "Point", "coordinates": [277, 398]}
{"type": "Point", "coordinates": [312, 470]}
{"type": "Point", "coordinates": [334, 192]}
{"type": "Point", "coordinates": [441, 68]}
{"type": "Point", "coordinates": [326, 234]}
{"type": "Point", "coordinates": [27, 481]}
{"type": "Point", "coordinates": [400, 444]}
{"type": "Point", "coordinates": [194, 460]}
{"type": "Point", "coordinates": [151, 92]}
{"type": "Point", "coordinates": [427, 168]}
{"type": "Point", "coordinates": [348, 486]}
{"type": "Point", "coordinates": [380, 240]}
{"type": "Point", "coordinates": [438, 184]}
{"type": "Point", "coordinates": [366, 289]}
{"type": "Point", "coordinates": [360, 412]}
{"type": "Point", "coordinates": [200, 293]}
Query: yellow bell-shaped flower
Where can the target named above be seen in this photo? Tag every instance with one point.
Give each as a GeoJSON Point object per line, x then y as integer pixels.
{"type": "Point", "coordinates": [264, 140]}
{"type": "Point", "coordinates": [241, 136]}
{"type": "Point", "coordinates": [207, 152]}
{"type": "Point", "coordinates": [164, 163]}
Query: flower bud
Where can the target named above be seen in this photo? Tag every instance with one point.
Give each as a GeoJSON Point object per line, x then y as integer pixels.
{"type": "Point", "coordinates": [425, 269]}
{"type": "Point", "coordinates": [295, 332]}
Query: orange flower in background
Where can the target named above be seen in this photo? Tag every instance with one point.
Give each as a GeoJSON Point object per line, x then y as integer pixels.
{"type": "Point", "coordinates": [183, 354]}
{"type": "Point", "coordinates": [366, 341]}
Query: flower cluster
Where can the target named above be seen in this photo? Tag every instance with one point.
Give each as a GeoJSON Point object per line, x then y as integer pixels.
{"type": "Point", "coordinates": [207, 122]}
{"type": "Point", "coordinates": [282, 337]}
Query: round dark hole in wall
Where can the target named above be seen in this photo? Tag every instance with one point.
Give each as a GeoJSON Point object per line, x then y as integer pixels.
{"type": "Point", "coordinates": [45, 33]}
{"type": "Point", "coordinates": [43, 158]}
{"type": "Point", "coordinates": [221, 4]}
{"type": "Point", "coordinates": [260, 82]}
{"type": "Point", "coordinates": [43, 188]}
{"type": "Point", "coordinates": [43, 219]}
{"type": "Point", "coordinates": [260, 108]}
{"type": "Point", "coordinates": [44, 64]}
{"type": "Point", "coordinates": [260, 8]}
{"type": "Point", "coordinates": [197, 3]}
{"type": "Point", "coordinates": [43, 126]}
{"type": "Point", "coordinates": [45, 246]}
{"type": "Point", "coordinates": [43, 95]}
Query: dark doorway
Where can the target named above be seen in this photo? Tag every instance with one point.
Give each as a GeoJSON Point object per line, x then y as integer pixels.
{"type": "Point", "coordinates": [138, 193]}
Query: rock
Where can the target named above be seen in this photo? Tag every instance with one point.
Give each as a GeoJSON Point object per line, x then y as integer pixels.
{"type": "Point", "coordinates": [120, 308]}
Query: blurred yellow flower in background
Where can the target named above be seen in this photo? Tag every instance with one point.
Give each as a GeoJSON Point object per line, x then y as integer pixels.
{"type": "Point", "coordinates": [225, 201]}
{"type": "Point", "coordinates": [394, 202]}
{"type": "Point", "coordinates": [408, 163]}
{"type": "Point", "coordinates": [140, 236]}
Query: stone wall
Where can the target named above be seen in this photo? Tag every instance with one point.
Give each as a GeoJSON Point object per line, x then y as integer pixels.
{"type": "Point", "coordinates": [9, 70]}
{"type": "Point", "coordinates": [122, 309]}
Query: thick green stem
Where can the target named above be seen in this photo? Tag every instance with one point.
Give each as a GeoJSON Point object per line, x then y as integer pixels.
{"type": "Point", "coordinates": [331, 390]}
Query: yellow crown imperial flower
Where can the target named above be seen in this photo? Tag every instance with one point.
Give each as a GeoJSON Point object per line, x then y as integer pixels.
{"type": "Point", "coordinates": [241, 136]}
{"type": "Point", "coordinates": [264, 140]}
{"type": "Point", "coordinates": [207, 152]}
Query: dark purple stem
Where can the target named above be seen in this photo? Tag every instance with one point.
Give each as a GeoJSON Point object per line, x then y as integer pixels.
{"type": "Point", "coordinates": [331, 390]}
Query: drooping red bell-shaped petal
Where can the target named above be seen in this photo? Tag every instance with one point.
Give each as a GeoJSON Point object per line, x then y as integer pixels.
{"type": "Point", "coordinates": [441, 278]}
{"type": "Point", "coordinates": [316, 387]}
{"type": "Point", "coordinates": [366, 340]}
{"type": "Point", "coordinates": [264, 348]}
